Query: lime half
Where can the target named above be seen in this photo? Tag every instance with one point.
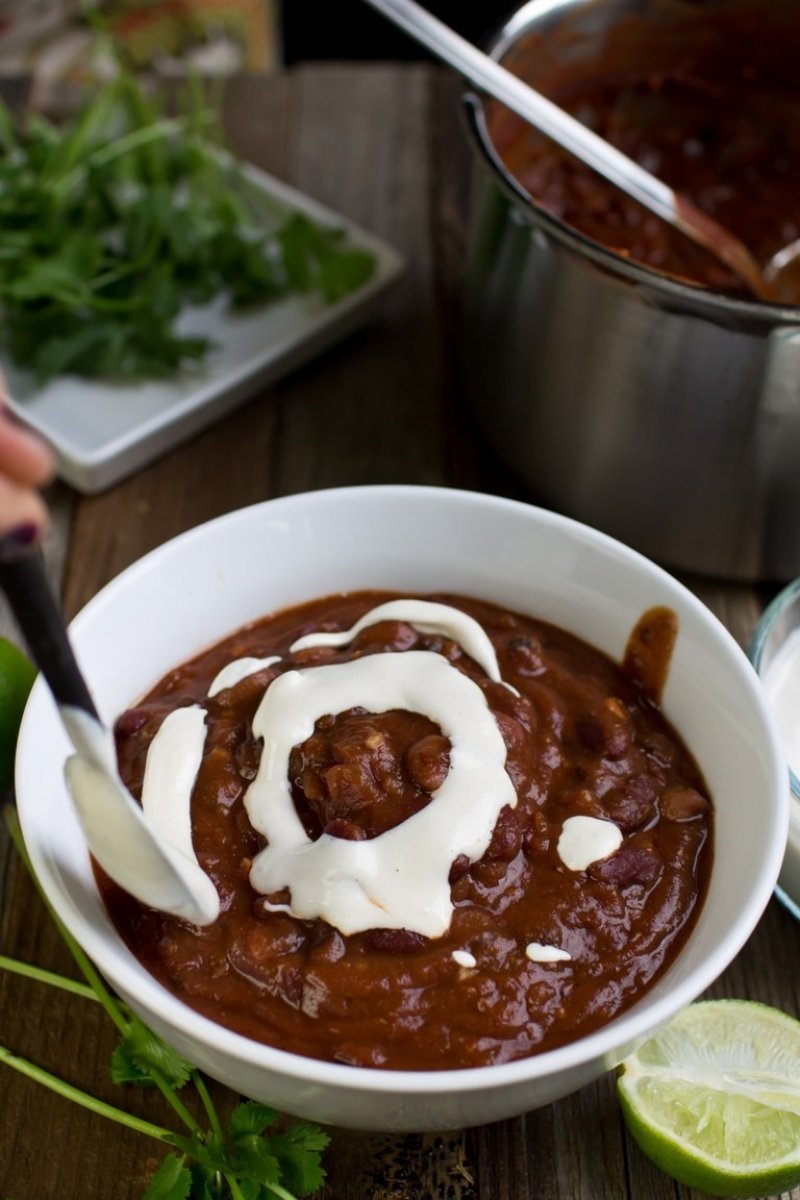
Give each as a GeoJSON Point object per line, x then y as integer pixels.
{"type": "Point", "coordinates": [714, 1098]}
{"type": "Point", "coordinates": [17, 674]}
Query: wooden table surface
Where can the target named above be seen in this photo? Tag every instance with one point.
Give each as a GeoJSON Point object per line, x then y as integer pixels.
{"type": "Point", "coordinates": [382, 145]}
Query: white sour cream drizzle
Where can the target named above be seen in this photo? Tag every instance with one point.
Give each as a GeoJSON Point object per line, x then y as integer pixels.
{"type": "Point", "coordinates": [585, 840]}
{"type": "Point", "coordinates": [426, 617]}
{"type": "Point", "coordinates": [173, 760]}
{"type": "Point", "coordinates": [238, 670]}
{"type": "Point", "coordinates": [537, 952]}
{"type": "Point", "coordinates": [121, 835]}
{"type": "Point", "coordinates": [398, 880]}
{"type": "Point", "coordinates": [465, 959]}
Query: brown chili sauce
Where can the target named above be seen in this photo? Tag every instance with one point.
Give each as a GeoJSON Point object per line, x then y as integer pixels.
{"type": "Point", "coordinates": [583, 737]}
{"type": "Point", "coordinates": [705, 94]}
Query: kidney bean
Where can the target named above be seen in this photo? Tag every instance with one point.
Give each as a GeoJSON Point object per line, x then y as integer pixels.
{"type": "Point", "coordinates": [458, 868]}
{"type": "Point", "coordinates": [536, 827]}
{"type": "Point", "coordinates": [682, 803]}
{"type": "Point", "coordinates": [659, 749]}
{"type": "Point", "coordinates": [395, 941]}
{"type": "Point", "coordinates": [264, 942]}
{"type": "Point", "coordinates": [348, 831]}
{"type": "Point", "coordinates": [387, 636]}
{"type": "Point", "coordinates": [632, 804]}
{"type": "Point", "coordinates": [289, 984]}
{"type": "Point", "coordinates": [314, 654]}
{"type": "Point", "coordinates": [534, 841]}
{"type": "Point", "coordinates": [131, 722]}
{"type": "Point", "coordinates": [353, 741]}
{"type": "Point", "coordinates": [518, 775]}
{"type": "Point", "coordinates": [311, 756]}
{"type": "Point", "coordinates": [488, 874]}
{"type": "Point", "coordinates": [580, 802]}
{"type": "Point", "coordinates": [318, 933]}
{"type": "Point", "coordinates": [631, 864]}
{"type": "Point", "coordinates": [428, 761]}
{"type": "Point", "coordinates": [511, 731]}
{"type": "Point", "coordinates": [434, 643]}
{"type": "Point", "coordinates": [312, 785]}
{"type": "Point", "coordinates": [451, 650]}
{"type": "Point", "coordinates": [247, 756]}
{"type": "Point", "coordinates": [244, 696]}
{"type": "Point", "coordinates": [350, 788]}
{"type": "Point", "coordinates": [525, 654]}
{"type": "Point", "coordinates": [607, 731]}
{"type": "Point", "coordinates": [314, 749]}
{"type": "Point", "coordinates": [326, 942]}
{"type": "Point", "coordinates": [506, 838]}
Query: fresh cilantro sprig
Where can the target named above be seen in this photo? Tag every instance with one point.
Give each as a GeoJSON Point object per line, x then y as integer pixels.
{"type": "Point", "coordinates": [116, 221]}
{"type": "Point", "coordinates": [250, 1160]}
{"type": "Point", "coordinates": [262, 1166]}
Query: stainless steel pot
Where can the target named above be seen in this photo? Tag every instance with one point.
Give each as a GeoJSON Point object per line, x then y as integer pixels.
{"type": "Point", "coordinates": [660, 412]}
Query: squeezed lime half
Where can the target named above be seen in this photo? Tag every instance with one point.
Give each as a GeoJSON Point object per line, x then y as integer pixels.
{"type": "Point", "coordinates": [714, 1098]}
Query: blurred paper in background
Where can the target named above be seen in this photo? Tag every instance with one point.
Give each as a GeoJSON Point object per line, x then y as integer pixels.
{"type": "Point", "coordinates": [51, 41]}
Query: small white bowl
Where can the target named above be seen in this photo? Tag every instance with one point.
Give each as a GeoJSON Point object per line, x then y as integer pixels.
{"type": "Point", "coordinates": [206, 583]}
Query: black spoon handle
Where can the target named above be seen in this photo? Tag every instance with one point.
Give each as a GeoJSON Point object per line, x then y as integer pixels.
{"type": "Point", "coordinates": [25, 583]}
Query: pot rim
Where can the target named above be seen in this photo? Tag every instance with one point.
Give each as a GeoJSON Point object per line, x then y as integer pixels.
{"type": "Point", "coordinates": [691, 295]}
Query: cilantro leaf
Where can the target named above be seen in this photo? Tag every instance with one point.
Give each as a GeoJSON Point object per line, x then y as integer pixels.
{"type": "Point", "coordinates": [140, 1052]}
{"type": "Point", "coordinates": [291, 1158]}
{"type": "Point", "coordinates": [171, 1181]}
{"type": "Point", "coordinates": [248, 1164]}
{"type": "Point", "coordinates": [116, 222]}
{"type": "Point", "coordinates": [202, 1181]}
{"type": "Point", "coordinates": [298, 1152]}
{"type": "Point", "coordinates": [250, 1119]}
{"type": "Point", "coordinates": [264, 1165]}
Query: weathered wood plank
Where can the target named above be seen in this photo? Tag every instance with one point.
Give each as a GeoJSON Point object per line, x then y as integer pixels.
{"type": "Point", "coordinates": [370, 410]}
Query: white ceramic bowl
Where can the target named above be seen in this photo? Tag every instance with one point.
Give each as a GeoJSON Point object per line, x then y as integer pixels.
{"type": "Point", "coordinates": [204, 584]}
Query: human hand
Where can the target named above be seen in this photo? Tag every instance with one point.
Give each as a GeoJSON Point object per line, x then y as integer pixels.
{"type": "Point", "coordinates": [26, 464]}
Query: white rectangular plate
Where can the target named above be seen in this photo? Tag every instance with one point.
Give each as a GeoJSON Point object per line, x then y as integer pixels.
{"type": "Point", "coordinates": [102, 431]}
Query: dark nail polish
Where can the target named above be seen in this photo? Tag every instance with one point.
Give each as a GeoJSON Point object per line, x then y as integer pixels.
{"type": "Point", "coordinates": [18, 540]}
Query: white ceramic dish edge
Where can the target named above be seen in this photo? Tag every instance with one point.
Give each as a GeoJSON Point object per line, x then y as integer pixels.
{"type": "Point", "coordinates": [103, 432]}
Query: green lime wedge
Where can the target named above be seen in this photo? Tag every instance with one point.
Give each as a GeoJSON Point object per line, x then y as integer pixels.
{"type": "Point", "coordinates": [17, 674]}
{"type": "Point", "coordinates": [714, 1098]}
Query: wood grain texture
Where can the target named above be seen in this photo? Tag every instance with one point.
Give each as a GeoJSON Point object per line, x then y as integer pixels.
{"type": "Point", "coordinates": [382, 145]}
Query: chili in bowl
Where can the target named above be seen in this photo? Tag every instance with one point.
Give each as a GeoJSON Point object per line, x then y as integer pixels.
{"type": "Point", "coordinates": [475, 785]}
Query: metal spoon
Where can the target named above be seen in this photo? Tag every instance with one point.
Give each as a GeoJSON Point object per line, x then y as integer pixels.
{"type": "Point", "coordinates": [115, 828]}
{"type": "Point", "coordinates": [595, 151]}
